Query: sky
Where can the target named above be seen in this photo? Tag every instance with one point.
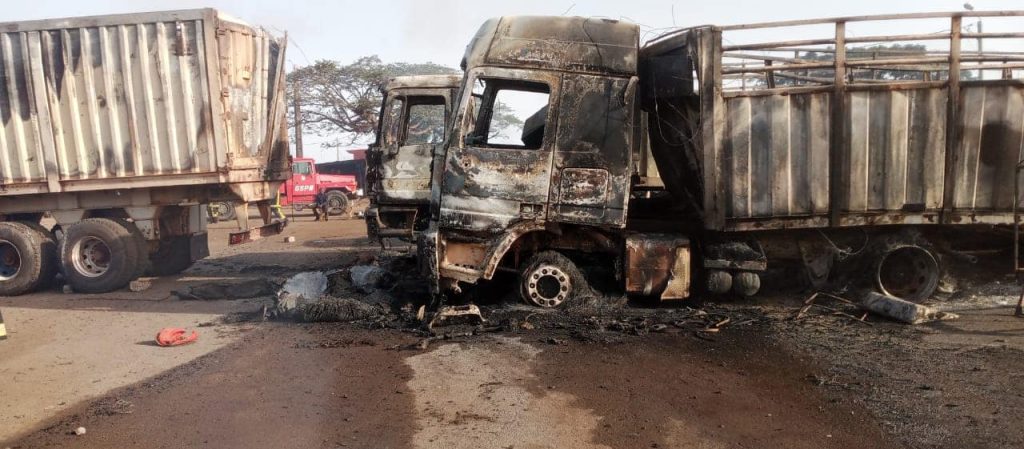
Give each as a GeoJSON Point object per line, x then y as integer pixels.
{"type": "Point", "coordinates": [438, 30]}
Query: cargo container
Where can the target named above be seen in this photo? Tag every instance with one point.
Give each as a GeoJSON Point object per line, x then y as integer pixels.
{"type": "Point", "coordinates": [412, 124]}
{"type": "Point", "coordinates": [119, 127]}
{"type": "Point", "coordinates": [699, 160]}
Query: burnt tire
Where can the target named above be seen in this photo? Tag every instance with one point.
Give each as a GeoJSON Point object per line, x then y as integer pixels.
{"type": "Point", "coordinates": [549, 280]}
{"type": "Point", "coordinates": [718, 282]}
{"type": "Point", "coordinates": [907, 271]}
{"type": "Point", "coordinates": [746, 284]}
{"type": "Point", "coordinates": [28, 258]}
{"type": "Point", "coordinates": [337, 203]}
{"type": "Point", "coordinates": [99, 255]}
{"type": "Point", "coordinates": [173, 256]}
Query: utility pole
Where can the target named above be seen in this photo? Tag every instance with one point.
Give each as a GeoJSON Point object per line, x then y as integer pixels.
{"type": "Point", "coordinates": [296, 97]}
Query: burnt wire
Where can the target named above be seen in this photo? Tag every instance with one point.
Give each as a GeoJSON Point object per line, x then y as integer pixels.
{"type": "Point", "coordinates": [846, 253]}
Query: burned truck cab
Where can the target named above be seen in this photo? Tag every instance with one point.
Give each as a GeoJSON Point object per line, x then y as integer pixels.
{"type": "Point", "coordinates": [414, 119]}
{"type": "Point", "coordinates": [537, 170]}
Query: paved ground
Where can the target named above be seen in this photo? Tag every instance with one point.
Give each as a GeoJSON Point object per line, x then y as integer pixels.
{"type": "Point", "coordinates": [766, 382]}
{"type": "Point", "coordinates": [67, 348]}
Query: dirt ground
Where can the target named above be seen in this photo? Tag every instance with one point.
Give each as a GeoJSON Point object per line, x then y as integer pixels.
{"type": "Point", "coordinates": [722, 375]}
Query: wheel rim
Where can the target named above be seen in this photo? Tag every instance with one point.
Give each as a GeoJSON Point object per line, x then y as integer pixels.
{"type": "Point", "coordinates": [335, 205]}
{"type": "Point", "coordinates": [91, 257]}
{"type": "Point", "coordinates": [10, 260]}
{"type": "Point", "coordinates": [909, 273]}
{"type": "Point", "coordinates": [547, 286]}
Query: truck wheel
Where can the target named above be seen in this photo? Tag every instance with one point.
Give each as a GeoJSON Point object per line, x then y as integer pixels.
{"type": "Point", "coordinates": [337, 203]}
{"type": "Point", "coordinates": [140, 244]}
{"type": "Point", "coordinates": [173, 257]}
{"type": "Point", "coordinates": [908, 272]}
{"type": "Point", "coordinates": [550, 280]}
{"type": "Point", "coordinates": [719, 282]}
{"type": "Point", "coordinates": [746, 284]}
{"type": "Point", "coordinates": [99, 255]}
{"type": "Point", "coordinates": [225, 211]}
{"type": "Point", "coordinates": [28, 258]}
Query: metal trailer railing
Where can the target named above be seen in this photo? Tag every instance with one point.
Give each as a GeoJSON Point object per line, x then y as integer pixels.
{"type": "Point", "coordinates": [841, 62]}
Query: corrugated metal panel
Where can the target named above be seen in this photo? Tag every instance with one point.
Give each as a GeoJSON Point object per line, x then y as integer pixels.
{"type": "Point", "coordinates": [777, 149]}
{"type": "Point", "coordinates": [992, 140]}
{"type": "Point", "coordinates": [897, 146]}
{"type": "Point", "coordinates": [776, 155]}
{"type": "Point", "coordinates": [132, 96]}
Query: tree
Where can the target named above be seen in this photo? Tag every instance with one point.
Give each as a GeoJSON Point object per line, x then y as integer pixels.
{"type": "Point", "coordinates": [341, 102]}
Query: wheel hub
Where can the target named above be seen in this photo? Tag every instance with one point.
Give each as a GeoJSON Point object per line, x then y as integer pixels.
{"type": "Point", "coordinates": [548, 286]}
{"type": "Point", "coordinates": [10, 261]}
{"type": "Point", "coordinates": [335, 206]}
{"type": "Point", "coordinates": [909, 273]}
{"type": "Point", "coordinates": [91, 257]}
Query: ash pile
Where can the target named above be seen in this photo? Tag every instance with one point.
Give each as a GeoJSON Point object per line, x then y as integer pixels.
{"type": "Point", "coordinates": [383, 293]}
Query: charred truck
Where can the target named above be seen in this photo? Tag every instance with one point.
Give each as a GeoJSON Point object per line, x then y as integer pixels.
{"type": "Point", "coordinates": [413, 120]}
{"type": "Point", "coordinates": [691, 163]}
{"type": "Point", "coordinates": [119, 127]}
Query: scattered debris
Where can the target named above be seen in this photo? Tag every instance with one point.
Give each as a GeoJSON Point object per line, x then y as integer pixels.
{"type": "Point", "coordinates": [339, 310]}
{"type": "Point", "coordinates": [175, 336]}
{"type": "Point", "coordinates": [299, 290]}
{"type": "Point", "coordinates": [80, 431]}
{"type": "Point", "coordinates": [289, 239]}
{"type": "Point", "coordinates": [140, 285]}
{"type": "Point", "coordinates": [457, 315]}
{"type": "Point", "coordinates": [67, 290]}
{"type": "Point", "coordinates": [366, 278]}
{"type": "Point", "coordinates": [253, 288]}
{"type": "Point", "coordinates": [812, 302]}
{"type": "Point", "coordinates": [904, 311]}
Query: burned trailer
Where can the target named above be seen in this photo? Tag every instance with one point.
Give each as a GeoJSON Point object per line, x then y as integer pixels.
{"type": "Point", "coordinates": [902, 145]}
{"type": "Point", "coordinates": [413, 123]}
{"type": "Point", "coordinates": [688, 162]}
{"type": "Point", "coordinates": [119, 127]}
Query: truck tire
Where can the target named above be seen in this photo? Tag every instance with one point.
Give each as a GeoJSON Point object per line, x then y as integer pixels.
{"type": "Point", "coordinates": [549, 280]}
{"type": "Point", "coordinates": [746, 284]}
{"type": "Point", "coordinates": [141, 246]}
{"type": "Point", "coordinates": [28, 258]}
{"type": "Point", "coordinates": [337, 203]}
{"type": "Point", "coordinates": [99, 255]}
{"type": "Point", "coordinates": [718, 282]}
{"type": "Point", "coordinates": [172, 257]}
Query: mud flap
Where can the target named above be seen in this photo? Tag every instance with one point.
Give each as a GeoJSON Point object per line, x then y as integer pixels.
{"type": "Point", "coordinates": [252, 235]}
{"type": "Point", "coordinates": [199, 246]}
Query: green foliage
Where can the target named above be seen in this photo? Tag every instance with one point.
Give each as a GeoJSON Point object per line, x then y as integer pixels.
{"type": "Point", "coordinates": [342, 101]}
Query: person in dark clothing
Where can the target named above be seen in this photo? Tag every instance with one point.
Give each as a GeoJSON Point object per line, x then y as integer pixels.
{"type": "Point", "coordinates": [320, 206]}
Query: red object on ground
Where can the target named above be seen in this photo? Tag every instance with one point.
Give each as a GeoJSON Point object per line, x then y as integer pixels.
{"type": "Point", "coordinates": [175, 336]}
